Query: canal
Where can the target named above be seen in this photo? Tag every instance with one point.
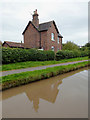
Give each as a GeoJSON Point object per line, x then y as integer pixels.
{"type": "Point", "coordinates": [63, 96]}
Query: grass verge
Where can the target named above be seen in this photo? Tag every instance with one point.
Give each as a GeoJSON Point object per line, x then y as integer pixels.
{"type": "Point", "coordinates": [27, 64]}
{"type": "Point", "coordinates": [31, 76]}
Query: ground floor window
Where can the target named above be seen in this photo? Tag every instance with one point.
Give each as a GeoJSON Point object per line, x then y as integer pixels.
{"type": "Point", "coordinates": [52, 48]}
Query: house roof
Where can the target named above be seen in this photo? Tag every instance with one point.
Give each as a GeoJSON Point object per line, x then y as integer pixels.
{"type": "Point", "coordinates": [44, 27]}
{"type": "Point", "coordinates": [14, 44]}
{"type": "Point", "coordinates": [59, 35]}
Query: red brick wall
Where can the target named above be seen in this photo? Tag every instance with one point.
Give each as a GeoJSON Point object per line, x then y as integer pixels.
{"type": "Point", "coordinates": [51, 43]}
{"type": "Point", "coordinates": [31, 37]}
{"type": "Point", "coordinates": [44, 40]}
{"type": "Point", "coordinates": [60, 43]}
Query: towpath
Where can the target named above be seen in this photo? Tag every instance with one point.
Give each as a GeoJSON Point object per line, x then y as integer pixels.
{"type": "Point", "coordinates": [4, 73]}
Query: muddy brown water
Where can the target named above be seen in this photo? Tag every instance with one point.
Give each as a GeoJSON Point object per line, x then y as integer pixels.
{"type": "Point", "coordinates": [63, 96]}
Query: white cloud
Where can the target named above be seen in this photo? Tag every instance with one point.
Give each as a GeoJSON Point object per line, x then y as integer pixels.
{"type": "Point", "coordinates": [24, 1]}
{"type": "Point", "coordinates": [71, 17]}
{"type": "Point", "coordinates": [79, 38]}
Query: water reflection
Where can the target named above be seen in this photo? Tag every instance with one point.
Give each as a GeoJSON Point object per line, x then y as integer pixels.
{"type": "Point", "coordinates": [45, 89]}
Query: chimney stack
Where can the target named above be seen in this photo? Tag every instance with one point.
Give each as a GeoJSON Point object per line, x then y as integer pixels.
{"type": "Point", "coordinates": [35, 19]}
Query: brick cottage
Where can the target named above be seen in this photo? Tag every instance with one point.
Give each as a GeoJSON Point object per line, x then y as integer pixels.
{"type": "Point", "coordinates": [43, 36]}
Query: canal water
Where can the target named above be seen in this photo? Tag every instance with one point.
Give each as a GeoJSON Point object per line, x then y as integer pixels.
{"type": "Point", "coordinates": [63, 96]}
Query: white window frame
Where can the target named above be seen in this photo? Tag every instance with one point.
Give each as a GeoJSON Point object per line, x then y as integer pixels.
{"type": "Point", "coordinates": [52, 36]}
{"type": "Point", "coordinates": [52, 48]}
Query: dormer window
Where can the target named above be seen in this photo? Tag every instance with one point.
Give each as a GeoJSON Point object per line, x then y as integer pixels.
{"type": "Point", "coordinates": [58, 40]}
{"type": "Point", "coordinates": [52, 37]}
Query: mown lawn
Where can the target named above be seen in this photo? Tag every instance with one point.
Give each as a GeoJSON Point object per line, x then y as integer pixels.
{"type": "Point", "coordinates": [27, 64]}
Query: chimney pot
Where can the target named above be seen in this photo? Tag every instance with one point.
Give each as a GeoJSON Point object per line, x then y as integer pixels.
{"type": "Point", "coordinates": [35, 12]}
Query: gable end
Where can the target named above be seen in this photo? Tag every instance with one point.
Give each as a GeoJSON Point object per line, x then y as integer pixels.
{"type": "Point", "coordinates": [27, 27]}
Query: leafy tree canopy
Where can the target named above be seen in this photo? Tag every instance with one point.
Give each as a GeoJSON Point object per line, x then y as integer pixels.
{"type": "Point", "coordinates": [87, 44]}
{"type": "Point", "coordinates": [85, 47]}
{"type": "Point", "coordinates": [70, 46]}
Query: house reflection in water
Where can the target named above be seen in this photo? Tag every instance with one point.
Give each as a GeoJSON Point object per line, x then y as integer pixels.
{"type": "Point", "coordinates": [45, 89]}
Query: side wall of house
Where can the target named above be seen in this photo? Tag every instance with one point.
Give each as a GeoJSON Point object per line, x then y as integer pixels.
{"type": "Point", "coordinates": [31, 37]}
{"type": "Point", "coordinates": [50, 43]}
{"type": "Point", "coordinates": [60, 43]}
{"type": "Point", "coordinates": [44, 40]}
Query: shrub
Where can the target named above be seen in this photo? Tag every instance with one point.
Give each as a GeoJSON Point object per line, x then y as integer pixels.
{"type": "Point", "coordinates": [66, 54]}
{"type": "Point", "coordinates": [50, 55]}
{"type": "Point", "coordinates": [76, 53]}
{"type": "Point", "coordinates": [12, 55]}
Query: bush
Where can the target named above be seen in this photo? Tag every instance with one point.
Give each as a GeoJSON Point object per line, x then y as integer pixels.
{"type": "Point", "coordinates": [66, 54]}
{"type": "Point", "coordinates": [12, 55]}
{"type": "Point", "coordinates": [76, 53]}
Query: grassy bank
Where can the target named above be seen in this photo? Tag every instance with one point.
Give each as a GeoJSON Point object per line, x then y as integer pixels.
{"type": "Point", "coordinates": [21, 65]}
{"type": "Point", "coordinates": [31, 76]}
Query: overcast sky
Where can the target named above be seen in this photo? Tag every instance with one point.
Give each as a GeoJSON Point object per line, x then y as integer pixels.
{"type": "Point", "coordinates": [71, 17]}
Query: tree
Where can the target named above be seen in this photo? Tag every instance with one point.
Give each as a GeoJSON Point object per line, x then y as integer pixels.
{"type": "Point", "coordinates": [70, 46]}
{"type": "Point", "coordinates": [85, 47]}
{"type": "Point", "coordinates": [87, 44]}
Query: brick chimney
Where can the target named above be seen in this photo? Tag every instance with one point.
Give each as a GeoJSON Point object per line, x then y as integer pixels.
{"type": "Point", "coordinates": [35, 19]}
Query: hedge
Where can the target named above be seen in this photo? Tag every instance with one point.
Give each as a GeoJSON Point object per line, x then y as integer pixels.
{"type": "Point", "coordinates": [66, 54]}
{"type": "Point", "coordinates": [12, 55]}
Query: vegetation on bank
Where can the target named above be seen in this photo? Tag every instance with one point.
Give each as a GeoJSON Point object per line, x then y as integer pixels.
{"type": "Point", "coordinates": [27, 64]}
{"type": "Point", "coordinates": [67, 54]}
{"type": "Point", "coordinates": [14, 55]}
{"type": "Point", "coordinates": [31, 76]}
{"type": "Point", "coordinates": [70, 46]}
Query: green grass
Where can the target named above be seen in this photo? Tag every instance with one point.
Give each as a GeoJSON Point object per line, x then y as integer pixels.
{"type": "Point", "coordinates": [27, 77]}
{"type": "Point", "coordinates": [27, 64]}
